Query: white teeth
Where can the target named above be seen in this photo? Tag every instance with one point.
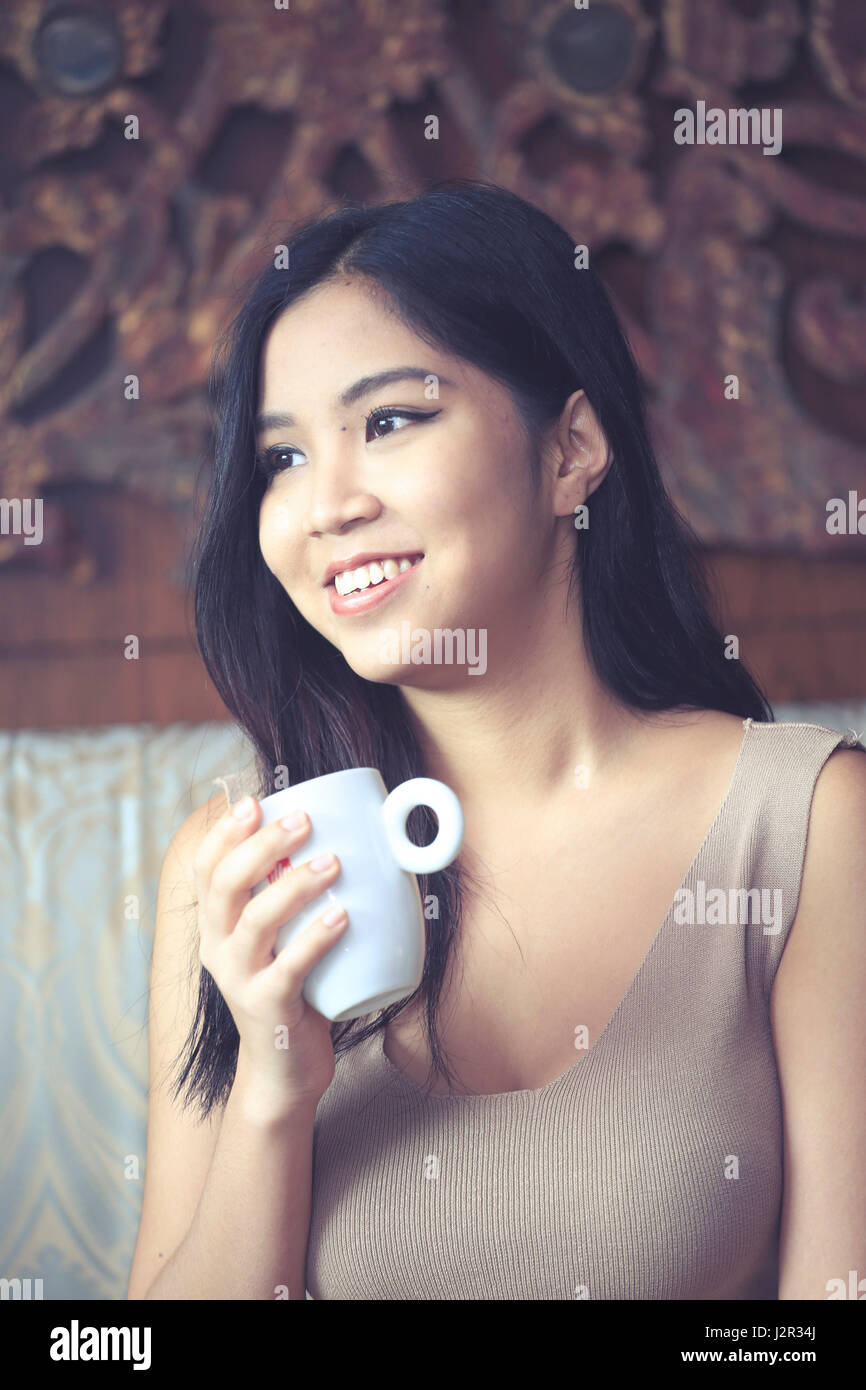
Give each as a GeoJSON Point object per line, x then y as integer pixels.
{"type": "Point", "coordinates": [366, 575]}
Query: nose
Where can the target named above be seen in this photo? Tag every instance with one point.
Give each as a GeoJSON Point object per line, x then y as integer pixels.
{"type": "Point", "coordinates": [330, 513]}
{"type": "Point", "coordinates": [336, 499]}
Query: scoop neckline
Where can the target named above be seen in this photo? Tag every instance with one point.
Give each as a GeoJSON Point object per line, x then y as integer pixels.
{"type": "Point", "coordinates": [399, 1079]}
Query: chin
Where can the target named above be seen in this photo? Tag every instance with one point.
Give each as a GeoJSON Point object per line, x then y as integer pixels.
{"type": "Point", "coordinates": [370, 667]}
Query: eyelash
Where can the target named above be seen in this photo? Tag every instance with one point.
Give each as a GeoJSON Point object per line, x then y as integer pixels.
{"type": "Point", "coordinates": [265, 457]}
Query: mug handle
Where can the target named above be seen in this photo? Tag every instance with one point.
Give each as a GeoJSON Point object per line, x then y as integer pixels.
{"type": "Point", "coordinates": [423, 791]}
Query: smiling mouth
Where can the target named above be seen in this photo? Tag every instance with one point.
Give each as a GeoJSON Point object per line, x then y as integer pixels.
{"type": "Point", "coordinates": [371, 575]}
{"type": "Point", "coordinates": [362, 601]}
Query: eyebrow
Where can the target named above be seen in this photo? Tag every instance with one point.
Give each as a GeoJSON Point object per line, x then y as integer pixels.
{"type": "Point", "coordinates": [281, 420]}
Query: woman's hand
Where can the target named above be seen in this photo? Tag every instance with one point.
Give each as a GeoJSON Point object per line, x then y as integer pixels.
{"type": "Point", "coordinates": [237, 936]}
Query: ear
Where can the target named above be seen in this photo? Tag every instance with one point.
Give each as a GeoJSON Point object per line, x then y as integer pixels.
{"type": "Point", "coordinates": [579, 454]}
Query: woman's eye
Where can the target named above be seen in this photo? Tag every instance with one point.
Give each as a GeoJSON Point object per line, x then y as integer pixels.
{"type": "Point", "coordinates": [278, 459]}
{"type": "Point", "coordinates": [271, 460]}
{"type": "Point", "coordinates": [378, 416]}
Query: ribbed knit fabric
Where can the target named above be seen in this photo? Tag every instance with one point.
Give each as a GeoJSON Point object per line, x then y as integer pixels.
{"type": "Point", "coordinates": [650, 1170]}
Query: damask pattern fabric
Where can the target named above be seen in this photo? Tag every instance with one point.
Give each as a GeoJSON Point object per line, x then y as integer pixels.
{"type": "Point", "coordinates": [85, 820]}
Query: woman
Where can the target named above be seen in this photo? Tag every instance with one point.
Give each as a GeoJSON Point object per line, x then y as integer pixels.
{"type": "Point", "coordinates": [609, 1065]}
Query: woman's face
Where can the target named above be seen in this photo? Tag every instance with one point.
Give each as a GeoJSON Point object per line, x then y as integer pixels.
{"type": "Point", "coordinates": [439, 469]}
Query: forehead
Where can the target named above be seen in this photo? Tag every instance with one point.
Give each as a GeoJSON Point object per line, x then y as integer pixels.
{"type": "Point", "coordinates": [341, 331]}
{"type": "Point", "coordinates": [337, 323]}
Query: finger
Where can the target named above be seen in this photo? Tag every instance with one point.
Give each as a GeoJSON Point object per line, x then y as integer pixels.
{"type": "Point", "coordinates": [251, 944]}
{"type": "Point", "coordinates": [293, 963]}
{"type": "Point", "coordinates": [231, 829]}
{"type": "Point", "coordinates": [241, 868]}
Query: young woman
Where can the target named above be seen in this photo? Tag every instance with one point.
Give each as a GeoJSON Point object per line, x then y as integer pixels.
{"type": "Point", "coordinates": [618, 1076]}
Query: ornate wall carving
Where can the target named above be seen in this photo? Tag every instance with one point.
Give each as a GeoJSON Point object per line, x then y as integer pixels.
{"type": "Point", "coordinates": [121, 256]}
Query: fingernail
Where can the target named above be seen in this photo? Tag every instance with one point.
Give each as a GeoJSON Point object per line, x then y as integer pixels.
{"type": "Point", "coordinates": [324, 861]}
{"type": "Point", "coordinates": [244, 809]}
{"type": "Point", "coordinates": [334, 916]}
{"type": "Point", "coordinates": [293, 821]}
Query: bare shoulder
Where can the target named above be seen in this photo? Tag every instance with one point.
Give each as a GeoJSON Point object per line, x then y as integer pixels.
{"type": "Point", "coordinates": [840, 790]}
{"type": "Point", "coordinates": [177, 877]}
{"type": "Point", "coordinates": [719, 721]}
{"type": "Point", "coordinates": [710, 724]}
{"type": "Point", "coordinates": [837, 821]}
{"type": "Point", "coordinates": [833, 884]}
{"type": "Point", "coordinates": [834, 860]}
{"type": "Point", "coordinates": [819, 1032]}
{"type": "Point", "coordinates": [204, 817]}
{"type": "Point", "coordinates": [717, 724]}
{"type": "Point", "coordinates": [707, 735]}
{"type": "Point", "coordinates": [191, 832]}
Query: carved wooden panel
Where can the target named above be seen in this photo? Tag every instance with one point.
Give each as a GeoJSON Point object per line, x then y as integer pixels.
{"type": "Point", "coordinates": [120, 255]}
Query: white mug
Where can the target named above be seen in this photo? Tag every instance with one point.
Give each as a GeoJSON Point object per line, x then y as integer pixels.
{"type": "Point", "coordinates": [379, 956]}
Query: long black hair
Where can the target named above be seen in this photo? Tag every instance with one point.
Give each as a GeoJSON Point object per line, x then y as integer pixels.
{"type": "Point", "coordinates": [477, 271]}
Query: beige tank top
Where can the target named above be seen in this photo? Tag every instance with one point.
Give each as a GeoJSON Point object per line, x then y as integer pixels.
{"type": "Point", "coordinates": [650, 1170]}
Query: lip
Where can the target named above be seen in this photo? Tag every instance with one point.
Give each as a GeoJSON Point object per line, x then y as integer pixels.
{"type": "Point", "coordinates": [365, 599]}
{"type": "Point", "coordinates": [353, 562]}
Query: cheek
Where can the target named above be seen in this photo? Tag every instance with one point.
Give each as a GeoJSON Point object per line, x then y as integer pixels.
{"type": "Point", "coordinates": [275, 529]}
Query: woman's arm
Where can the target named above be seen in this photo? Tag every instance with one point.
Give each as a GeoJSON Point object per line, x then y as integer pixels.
{"type": "Point", "coordinates": [226, 1205]}
{"type": "Point", "coordinates": [248, 1238]}
{"type": "Point", "coordinates": [818, 1016]}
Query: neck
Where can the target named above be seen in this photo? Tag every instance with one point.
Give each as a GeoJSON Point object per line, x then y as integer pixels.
{"type": "Point", "coordinates": [521, 733]}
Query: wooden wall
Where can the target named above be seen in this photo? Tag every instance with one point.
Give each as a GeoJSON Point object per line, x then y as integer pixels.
{"type": "Point", "coordinates": [801, 625]}
{"type": "Point", "coordinates": [155, 151]}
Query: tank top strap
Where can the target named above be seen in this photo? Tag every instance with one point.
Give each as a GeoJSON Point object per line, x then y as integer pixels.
{"type": "Point", "coordinates": [769, 825]}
